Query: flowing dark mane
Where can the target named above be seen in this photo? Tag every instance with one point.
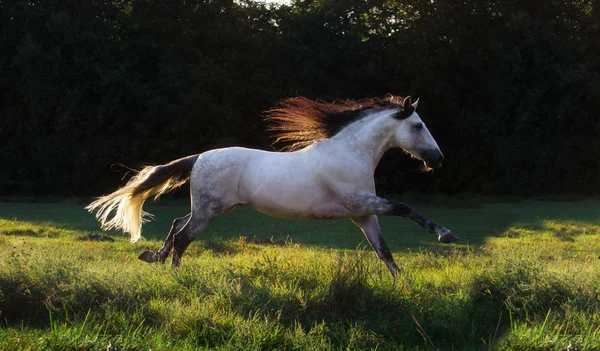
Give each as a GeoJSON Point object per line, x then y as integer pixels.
{"type": "Point", "coordinates": [298, 122]}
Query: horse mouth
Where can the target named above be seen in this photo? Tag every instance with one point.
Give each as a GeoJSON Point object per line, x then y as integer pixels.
{"type": "Point", "coordinates": [433, 158]}
{"type": "Point", "coordinates": [432, 165]}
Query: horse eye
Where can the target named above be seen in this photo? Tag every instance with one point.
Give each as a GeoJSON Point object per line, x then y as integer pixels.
{"type": "Point", "coordinates": [418, 127]}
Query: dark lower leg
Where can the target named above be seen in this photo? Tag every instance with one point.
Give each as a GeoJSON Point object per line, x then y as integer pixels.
{"type": "Point", "coordinates": [384, 253]}
{"type": "Point", "coordinates": [370, 227]}
{"type": "Point", "coordinates": [181, 241]}
{"type": "Point", "coordinates": [178, 224]}
{"type": "Point", "coordinates": [151, 257]}
{"type": "Point", "coordinates": [365, 204]}
{"type": "Point", "coordinates": [185, 229]}
{"type": "Point", "coordinates": [403, 210]}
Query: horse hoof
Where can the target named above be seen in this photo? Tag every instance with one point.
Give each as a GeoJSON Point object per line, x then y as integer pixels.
{"type": "Point", "coordinates": [148, 256]}
{"type": "Point", "coordinates": [447, 237]}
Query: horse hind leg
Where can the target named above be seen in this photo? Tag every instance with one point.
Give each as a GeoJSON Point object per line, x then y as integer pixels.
{"type": "Point", "coordinates": [184, 238]}
{"type": "Point", "coordinates": [202, 215]}
{"type": "Point", "coordinates": [151, 257]}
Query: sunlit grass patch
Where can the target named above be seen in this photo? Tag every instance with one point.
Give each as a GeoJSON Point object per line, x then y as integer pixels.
{"type": "Point", "coordinates": [567, 230]}
{"type": "Point", "coordinates": [18, 228]}
{"type": "Point", "coordinates": [578, 330]}
{"type": "Point", "coordinates": [549, 240]}
{"type": "Point", "coordinates": [561, 229]}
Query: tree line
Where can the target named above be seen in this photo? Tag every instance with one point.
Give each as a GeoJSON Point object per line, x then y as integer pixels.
{"type": "Point", "coordinates": [509, 88]}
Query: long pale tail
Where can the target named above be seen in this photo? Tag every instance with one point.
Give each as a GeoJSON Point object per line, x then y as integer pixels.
{"type": "Point", "coordinates": [127, 201]}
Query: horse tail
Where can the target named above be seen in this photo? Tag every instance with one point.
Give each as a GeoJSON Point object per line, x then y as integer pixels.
{"type": "Point", "coordinates": [127, 201]}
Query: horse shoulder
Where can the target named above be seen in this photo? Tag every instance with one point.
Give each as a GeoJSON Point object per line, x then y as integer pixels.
{"type": "Point", "coordinates": [339, 172]}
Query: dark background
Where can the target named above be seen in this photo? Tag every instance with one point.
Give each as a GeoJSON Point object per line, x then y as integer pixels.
{"type": "Point", "coordinates": [510, 88]}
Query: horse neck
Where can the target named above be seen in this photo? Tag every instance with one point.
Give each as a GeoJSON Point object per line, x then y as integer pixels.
{"type": "Point", "coordinates": [370, 137]}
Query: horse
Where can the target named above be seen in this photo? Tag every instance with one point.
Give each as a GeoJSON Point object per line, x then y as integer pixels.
{"type": "Point", "coordinates": [326, 171]}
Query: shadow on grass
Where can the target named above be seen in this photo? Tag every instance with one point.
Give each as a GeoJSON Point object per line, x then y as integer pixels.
{"type": "Point", "coordinates": [472, 224]}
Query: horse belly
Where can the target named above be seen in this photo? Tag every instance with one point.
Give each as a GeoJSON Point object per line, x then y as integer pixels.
{"type": "Point", "coordinates": [298, 203]}
{"type": "Point", "coordinates": [334, 211]}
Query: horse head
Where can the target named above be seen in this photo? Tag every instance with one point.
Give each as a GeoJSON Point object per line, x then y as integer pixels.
{"type": "Point", "coordinates": [413, 136]}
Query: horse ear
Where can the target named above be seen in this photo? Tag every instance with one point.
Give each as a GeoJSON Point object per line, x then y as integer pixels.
{"type": "Point", "coordinates": [416, 103]}
{"type": "Point", "coordinates": [407, 108]}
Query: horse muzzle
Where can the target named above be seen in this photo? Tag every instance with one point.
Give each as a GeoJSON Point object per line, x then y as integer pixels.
{"type": "Point", "coordinates": [433, 158]}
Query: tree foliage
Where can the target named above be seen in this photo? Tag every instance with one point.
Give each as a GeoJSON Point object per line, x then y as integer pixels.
{"type": "Point", "coordinates": [509, 88]}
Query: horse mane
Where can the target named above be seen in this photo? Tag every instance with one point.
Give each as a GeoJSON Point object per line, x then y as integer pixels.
{"type": "Point", "coordinates": [299, 122]}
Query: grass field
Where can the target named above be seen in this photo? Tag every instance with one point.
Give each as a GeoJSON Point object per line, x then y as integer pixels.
{"type": "Point", "coordinates": [524, 276]}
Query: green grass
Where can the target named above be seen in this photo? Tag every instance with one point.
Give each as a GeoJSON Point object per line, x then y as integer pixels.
{"type": "Point", "coordinates": [525, 276]}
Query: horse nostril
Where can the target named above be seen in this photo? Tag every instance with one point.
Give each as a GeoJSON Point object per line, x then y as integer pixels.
{"type": "Point", "coordinates": [441, 158]}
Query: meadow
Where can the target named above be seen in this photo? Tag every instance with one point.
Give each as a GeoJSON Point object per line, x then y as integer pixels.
{"type": "Point", "coordinates": [525, 275]}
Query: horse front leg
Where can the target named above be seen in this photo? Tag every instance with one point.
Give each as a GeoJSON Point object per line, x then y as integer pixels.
{"type": "Point", "coordinates": [151, 257]}
{"type": "Point", "coordinates": [370, 227]}
{"type": "Point", "coordinates": [444, 235]}
{"type": "Point", "coordinates": [371, 204]}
